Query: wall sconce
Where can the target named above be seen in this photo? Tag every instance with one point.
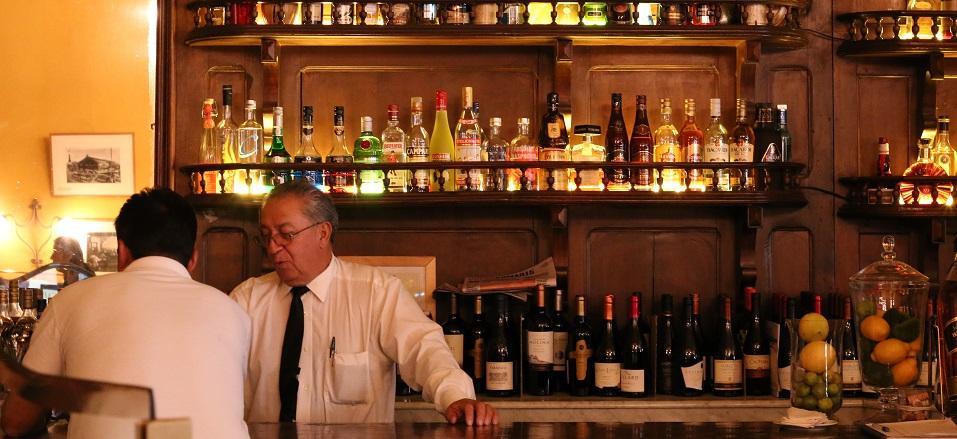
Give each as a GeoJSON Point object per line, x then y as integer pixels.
{"type": "Point", "coordinates": [33, 221]}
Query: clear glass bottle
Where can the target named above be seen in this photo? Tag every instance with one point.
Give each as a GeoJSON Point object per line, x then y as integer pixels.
{"type": "Point", "coordinates": [943, 154]}
{"type": "Point", "coordinates": [486, 13]}
{"type": "Point", "coordinates": [22, 330]}
{"type": "Point", "coordinates": [227, 135]}
{"type": "Point", "coordinates": [277, 152]}
{"type": "Point", "coordinates": [742, 149]}
{"type": "Point", "coordinates": [340, 181]}
{"type": "Point", "coordinates": [522, 149]}
{"type": "Point", "coordinates": [345, 13]}
{"type": "Point", "coordinates": [307, 152]}
{"type": "Point", "coordinates": [647, 14]}
{"type": "Point", "coordinates": [458, 13]}
{"type": "Point", "coordinates": [692, 145]}
{"type": "Point", "coordinates": [417, 147]}
{"type": "Point", "coordinates": [668, 150]}
{"type": "Point", "coordinates": [368, 149]}
{"type": "Point", "coordinates": [513, 13]}
{"type": "Point", "coordinates": [716, 149]}
{"type": "Point", "coordinates": [588, 151]}
{"type": "Point", "coordinates": [400, 14]}
{"type": "Point", "coordinates": [756, 14]}
{"type": "Point", "coordinates": [468, 146]}
{"type": "Point", "coordinates": [393, 150]}
{"type": "Point", "coordinates": [209, 152]}
{"type": "Point", "coordinates": [497, 151]}
{"type": "Point", "coordinates": [250, 151]}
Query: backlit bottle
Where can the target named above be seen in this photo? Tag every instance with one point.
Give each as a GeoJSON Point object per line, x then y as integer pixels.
{"type": "Point", "coordinates": [742, 149]}
{"type": "Point", "coordinates": [692, 145]}
{"type": "Point", "coordinates": [587, 151]}
{"type": "Point", "coordinates": [616, 147]}
{"type": "Point", "coordinates": [393, 150]}
{"type": "Point", "coordinates": [716, 149]}
{"type": "Point", "coordinates": [368, 149]}
{"type": "Point", "coordinates": [307, 152]}
{"type": "Point", "coordinates": [249, 151]}
{"type": "Point", "coordinates": [496, 149]}
{"type": "Point", "coordinates": [441, 146]}
{"type": "Point", "coordinates": [227, 135]}
{"type": "Point", "coordinates": [417, 148]}
{"type": "Point", "coordinates": [668, 150]}
{"type": "Point", "coordinates": [277, 152]}
{"type": "Point", "coordinates": [522, 149]}
{"type": "Point", "coordinates": [642, 145]}
{"type": "Point", "coordinates": [209, 152]}
{"type": "Point", "coordinates": [340, 181]}
{"type": "Point", "coordinates": [468, 146]}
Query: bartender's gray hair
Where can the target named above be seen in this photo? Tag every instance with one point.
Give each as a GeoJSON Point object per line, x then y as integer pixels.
{"type": "Point", "coordinates": [317, 205]}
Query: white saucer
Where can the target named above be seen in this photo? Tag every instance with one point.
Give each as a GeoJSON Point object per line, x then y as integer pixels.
{"type": "Point", "coordinates": [784, 423]}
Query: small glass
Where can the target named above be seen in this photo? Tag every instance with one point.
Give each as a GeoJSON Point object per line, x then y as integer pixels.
{"type": "Point", "coordinates": [647, 14]}
{"type": "Point", "coordinates": [672, 15]}
{"type": "Point", "coordinates": [458, 13]}
{"type": "Point", "coordinates": [374, 14]}
{"type": "Point", "coordinates": [779, 16]}
{"type": "Point", "coordinates": [756, 14]}
{"type": "Point", "coordinates": [620, 13]}
{"type": "Point", "coordinates": [567, 13]}
{"type": "Point", "coordinates": [705, 14]}
{"type": "Point", "coordinates": [428, 13]}
{"type": "Point", "coordinates": [513, 13]}
{"type": "Point", "coordinates": [486, 13]}
{"type": "Point", "coordinates": [399, 14]}
{"type": "Point", "coordinates": [345, 13]}
{"type": "Point", "coordinates": [595, 14]}
{"type": "Point", "coordinates": [539, 13]}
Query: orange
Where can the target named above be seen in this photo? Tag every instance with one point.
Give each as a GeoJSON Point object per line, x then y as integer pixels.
{"type": "Point", "coordinates": [905, 372]}
{"type": "Point", "coordinates": [875, 328]}
{"type": "Point", "coordinates": [890, 352]}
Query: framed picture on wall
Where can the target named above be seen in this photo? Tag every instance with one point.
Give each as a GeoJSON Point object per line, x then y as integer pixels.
{"type": "Point", "coordinates": [92, 164]}
{"type": "Point", "coordinates": [417, 273]}
{"type": "Point", "coordinates": [96, 239]}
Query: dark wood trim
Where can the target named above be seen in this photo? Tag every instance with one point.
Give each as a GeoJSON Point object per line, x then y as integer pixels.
{"type": "Point", "coordinates": [162, 137]}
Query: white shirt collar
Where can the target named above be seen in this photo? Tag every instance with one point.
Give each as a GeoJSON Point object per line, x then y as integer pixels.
{"type": "Point", "coordinates": [320, 285]}
{"type": "Point", "coordinates": [161, 263]}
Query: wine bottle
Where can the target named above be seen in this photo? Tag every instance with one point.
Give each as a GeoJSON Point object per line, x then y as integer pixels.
{"type": "Point", "coordinates": [689, 380]}
{"type": "Point", "coordinates": [666, 349]}
{"type": "Point", "coordinates": [634, 354]}
{"type": "Point", "coordinates": [757, 360]}
{"type": "Point", "coordinates": [539, 348]}
{"type": "Point", "coordinates": [581, 369]}
{"type": "Point", "coordinates": [560, 341]}
{"type": "Point", "coordinates": [607, 360]}
{"type": "Point", "coordinates": [700, 340]}
{"type": "Point", "coordinates": [850, 360]}
{"type": "Point", "coordinates": [728, 367]}
{"type": "Point", "coordinates": [454, 330]}
{"type": "Point", "coordinates": [785, 356]}
{"type": "Point", "coordinates": [928, 355]}
{"type": "Point", "coordinates": [475, 366]}
{"type": "Point", "coordinates": [499, 357]}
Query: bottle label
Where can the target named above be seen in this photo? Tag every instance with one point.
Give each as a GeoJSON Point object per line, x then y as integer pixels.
{"type": "Point", "coordinates": [694, 151]}
{"type": "Point", "coordinates": [559, 341]}
{"type": "Point", "coordinates": [541, 349]}
{"type": "Point", "coordinates": [581, 354]}
{"type": "Point", "coordinates": [633, 381]}
{"type": "Point", "coordinates": [851, 373]}
{"type": "Point", "coordinates": [607, 375]}
{"type": "Point", "coordinates": [392, 152]}
{"type": "Point", "coordinates": [643, 156]}
{"type": "Point", "coordinates": [771, 154]}
{"type": "Point", "coordinates": [418, 151]}
{"type": "Point", "coordinates": [478, 358]}
{"type": "Point", "coordinates": [339, 159]}
{"type": "Point", "coordinates": [950, 335]}
{"type": "Point", "coordinates": [668, 157]}
{"type": "Point", "coordinates": [499, 375]}
{"type": "Point", "coordinates": [279, 159]}
{"type": "Point", "coordinates": [441, 157]}
{"type": "Point", "coordinates": [742, 152]}
{"type": "Point", "coordinates": [457, 346]}
{"type": "Point", "coordinates": [925, 371]}
{"type": "Point", "coordinates": [554, 130]}
{"type": "Point", "coordinates": [757, 366]}
{"type": "Point", "coordinates": [716, 151]}
{"type": "Point", "coordinates": [524, 153]}
{"type": "Point", "coordinates": [694, 376]}
{"type": "Point", "coordinates": [728, 375]}
{"type": "Point", "coordinates": [468, 150]}
{"type": "Point", "coordinates": [784, 377]}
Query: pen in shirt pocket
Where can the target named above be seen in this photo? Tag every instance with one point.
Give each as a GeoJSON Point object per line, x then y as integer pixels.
{"type": "Point", "coordinates": [332, 348]}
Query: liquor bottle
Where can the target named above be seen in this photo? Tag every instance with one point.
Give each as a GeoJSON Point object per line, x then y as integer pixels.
{"type": "Point", "coordinates": [499, 356]}
{"type": "Point", "coordinates": [468, 146]}
{"type": "Point", "coordinates": [539, 348]}
{"type": "Point", "coordinates": [243, 13]}
{"type": "Point", "coordinates": [785, 356]}
{"type": "Point", "coordinates": [340, 181]}
{"type": "Point", "coordinates": [553, 133]}
{"type": "Point", "coordinates": [209, 152]}
{"type": "Point", "coordinates": [588, 151]}
{"type": "Point", "coordinates": [250, 147]}
{"type": "Point", "coordinates": [475, 366]}
{"type": "Point", "coordinates": [368, 149]}
{"type": "Point", "coordinates": [742, 149]}
{"type": "Point", "coordinates": [522, 149]}
{"type": "Point", "coordinates": [22, 330]}
{"type": "Point", "coordinates": [783, 135]}
{"type": "Point", "coordinates": [454, 331]}
{"type": "Point", "coordinates": [728, 367]}
{"type": "Point", "coordinates": [634, 352]}
{"type": "Point", "coordinates": [497, 151]}
{"type": "Point", "coordinates": [442, 145]}
{"type": "Point", "coordinates": [458, 13]}
{"type": "Point", "coordinates": [766, 148]}
{"type": "Point", "coordinates": [666, 348]}
{"type": "Point", "coordinates": [393, 150]}
{"type": "Point", "coordinates": [925, 166]}
{"type": "Point", "coordinates": [943, 154]}
{"type": "Point", "coordinates": [307, 152]}
{"type": "Point", "coordinates": [581, 368]}
{"type": "Point", "coordinates": [703, 346]}
{"type": "Point", "coordinates": [616, 146]}
{"type": "Point", "coordinates": [691, 140]}
{"type": "Point", "coordinates": [850, 361]}
{"type": "Point", "coordinates": [417, 147]}
{"type": "Point", "coordinates": [929, 352]}
{"type": "Point", "coordinates": [277, 152]}
{"type": "Point", "coordinates": [716, 149]}
{"type": "Point", "coordinates": [668, 150]}
{"type": "Point", "coordinates": [757, 361]}
{"type": "Point", "coordinates": [642, 145]}
{"type": "Point", "coordinates": [559, 342]}
{"type": "Point", "coordinates": [672, 15]}
{"type": "Point", "coordinates": [883, 157]}
{"type": "Point", "coordinates": [476, 111]}
{"type": "Point", "coordinates": [227, 136]}
{"type": "Point", "coordinates": [607, 360]}
{"type": "Point", "coordinates": [689, 380]}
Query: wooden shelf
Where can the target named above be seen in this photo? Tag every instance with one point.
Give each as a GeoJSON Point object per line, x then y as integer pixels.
{"type": "Point", "coordinates": [857, 205]}
{"type": "Point", "coordinates": [868, 38]}
{"type": "Point", "coordinates": [772, 37]}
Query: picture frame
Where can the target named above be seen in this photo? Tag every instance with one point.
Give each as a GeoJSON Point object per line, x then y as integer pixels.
{"type": "Point", "coordinates": [417, 273]}
{"type": "Point", "coordinates": [92, 164]}
{"type": "Point", "coordinates": [96, 238]}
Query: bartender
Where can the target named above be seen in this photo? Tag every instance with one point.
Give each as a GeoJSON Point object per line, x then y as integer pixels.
{"type": "Point", "coordinates": [327, 333]}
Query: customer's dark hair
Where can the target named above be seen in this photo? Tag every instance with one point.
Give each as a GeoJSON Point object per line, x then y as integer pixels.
{"type": "Point", "coordinates": [157, 222]}
{"type": "Point", "coordinates": [316, 205]}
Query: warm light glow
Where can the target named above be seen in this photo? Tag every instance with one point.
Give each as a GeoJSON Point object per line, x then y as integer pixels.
{"type": "Point", "coordinates": [567, 13]}
{"type": "Point", "coordinates": [6, 228]}
{"type": "Point", "coordinates": [76, 229]}
{"type": "Point", "coordinates": [539, 13]}
{"type": "Point", "coordinates": [260, 17]}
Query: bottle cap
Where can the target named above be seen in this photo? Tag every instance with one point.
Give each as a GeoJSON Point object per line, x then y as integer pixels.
{"type": "Point", "coordinates": [338, 111]}
{"type": "Point", "coordinates": [587, 130]}
{"type": "Point", "coordinates": [642, 99]}
{"type": "Point", "coordinates": [392, 110]}
{"type": "Point", "coordinates": [441, 100]}
{"type": "Point", "coordinates": [277, 111]}
{"type": "Point", "coordinates": [366, 123]}
{"type": "Point", "coordinates": [715, 107]}
{"type": "Point", "coordinates": [417, 103]}
{"type": "Point", "coordinates": [782, 107]}
{"type": "Point", "coordinates": [251, 104]}
{"type": "Point", "coordinates": [227, 94]}
{"type": "Point", "coordinates": [495, 121]}
{"type": "Point", "coordinates": [616, 96]}
{"type": "Point", "coordinates": [881, 140]}
{"type": "Point", "coordinates": [553, 98]}
{"type": "Point", "coordinates": [523, 120]}
{"type": "Point", "coordinates": [467, 96]}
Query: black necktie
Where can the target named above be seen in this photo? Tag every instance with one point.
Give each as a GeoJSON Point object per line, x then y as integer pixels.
{"type": "Point", "coordinates": [289, 361]}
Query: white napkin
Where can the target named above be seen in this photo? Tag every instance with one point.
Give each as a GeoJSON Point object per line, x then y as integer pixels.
{"type": "Point", "coordinates": [804, 418]}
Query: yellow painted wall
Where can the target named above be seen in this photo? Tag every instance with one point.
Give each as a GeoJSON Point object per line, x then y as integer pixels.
{"type": "Point", "coordinates": [70, 66]}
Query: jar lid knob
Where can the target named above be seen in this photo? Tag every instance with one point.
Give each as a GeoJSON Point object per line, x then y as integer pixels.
{"type": "Point", "coordinates": [888, 244]}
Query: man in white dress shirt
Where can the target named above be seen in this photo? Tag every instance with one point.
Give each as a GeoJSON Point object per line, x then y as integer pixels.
{"type": "Point", "coordinates": [327, 333]}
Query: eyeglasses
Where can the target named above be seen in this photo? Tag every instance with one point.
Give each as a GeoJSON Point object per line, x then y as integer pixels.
{"type": "Point", "coordinates": [283, 239]}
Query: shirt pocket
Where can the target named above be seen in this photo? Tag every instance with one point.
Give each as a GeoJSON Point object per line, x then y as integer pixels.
{"type": "Point", "coordinates": [350, 378]}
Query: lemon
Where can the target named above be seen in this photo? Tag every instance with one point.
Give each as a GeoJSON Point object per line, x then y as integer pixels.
{"type": "Point", "coordinates": [905, 372]}
{"type": "Point", "coordinates": [890, 352]}
{"type": "Point", "coordinates": [817, 357]}
{"type": "Point", "coordinates": [813, 327]}
{"type": "Point", "coordinates": [875, 328]}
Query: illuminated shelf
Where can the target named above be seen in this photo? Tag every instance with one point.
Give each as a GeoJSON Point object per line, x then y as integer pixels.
{"type": "Point", "coordinates": [880, 34]}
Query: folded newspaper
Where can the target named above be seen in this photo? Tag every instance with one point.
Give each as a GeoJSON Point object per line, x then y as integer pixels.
{"type": "Point", "coordinates": [515, 284]}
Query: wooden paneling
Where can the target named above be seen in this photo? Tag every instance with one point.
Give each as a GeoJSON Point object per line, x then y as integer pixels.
{"type": "Point", "coordinates": [221, 248]}
{"type": "Point", "coordinates": [791, 86]}
{"type": "Point", "coordinates": [886, 107]}
{"type": "Point", "coordinates": [790, 258]}
{"type": "Point", "coordinates": [870, 248]}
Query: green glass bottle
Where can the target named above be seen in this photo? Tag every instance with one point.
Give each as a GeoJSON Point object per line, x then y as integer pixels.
{"type": "Point", "coordinates": [368, 149]}
{"type": "Point", "coordinates": [277, 153]}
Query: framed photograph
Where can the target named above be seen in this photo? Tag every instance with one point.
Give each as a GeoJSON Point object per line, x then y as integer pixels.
{"type": "Point", "coordinates": [417, 273]}
{"type": "Point", "coordinates": [95, 237]}
{"type": "Point", "coordinates": [92, 164]}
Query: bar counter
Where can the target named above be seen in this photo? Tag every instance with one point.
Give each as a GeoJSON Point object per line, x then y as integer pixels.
{"type": "Point", "coordinates": [541, 430]}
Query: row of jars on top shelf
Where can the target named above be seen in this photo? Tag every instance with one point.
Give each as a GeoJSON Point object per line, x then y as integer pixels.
{"type": "Point", "coordinates": [490, 13]}
{"type": "Point", "coordinates": [903, 25]}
